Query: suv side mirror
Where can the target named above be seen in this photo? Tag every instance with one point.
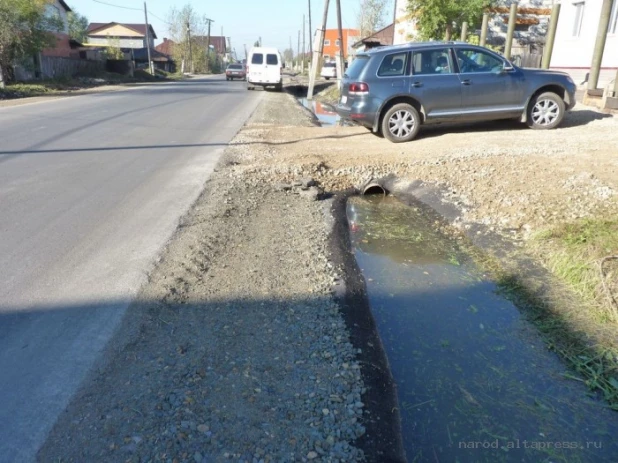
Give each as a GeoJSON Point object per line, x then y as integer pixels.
{"type": "Point", "coordinates": [507, 67]}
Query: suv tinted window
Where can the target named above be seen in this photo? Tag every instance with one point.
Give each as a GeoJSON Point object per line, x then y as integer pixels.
{"type": "Point", "coordinates": [272, 59]}
{"type": "Point", "coordinates": [432, 62]}
{"type": "Point", "coordinates": [393, 65]}
{"type": "Point", "coordinates": [330, 65]}
{"type": "Point", "coordinates": [357, 67]}
{"type": "Point", "coordinates": [257, 58]}
{"type": "Point", "coordinates": [472, 60]}
{"type": "Point", "coordinates": [235, 66]}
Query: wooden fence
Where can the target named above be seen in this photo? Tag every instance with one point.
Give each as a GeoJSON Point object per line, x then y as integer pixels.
{"type": "Point", "coordinates": [53, 67]}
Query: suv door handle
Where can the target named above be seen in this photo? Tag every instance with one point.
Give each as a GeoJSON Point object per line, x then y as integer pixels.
{"type": "Point", "coordinates": [466, 82]}
{"type": "Point", "coordinates": [417, 84]}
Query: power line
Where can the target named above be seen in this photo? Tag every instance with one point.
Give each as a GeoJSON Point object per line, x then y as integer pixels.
{"type": "Point", "coordinates": [117, 6]}
{"type": "Point", "coordinates": [162, 20]}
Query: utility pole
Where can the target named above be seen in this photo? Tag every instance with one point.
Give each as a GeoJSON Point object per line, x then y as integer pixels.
{"type": "Point", "coordinates": [340, 56]}
{"type": "Point", "coordinates": [303, 68]}
{"type": "Point", "coordinates": [551, 36]}
{"type": "Point", "coordinates": [298, 51]}
{"type": "Point", "coordinates": [190, 48]}
{"type": "Point", "coordinates": [317, 53]}
{"type": "Point", "coordinates": [599, 45]}
{"type": "Point", "coordinates": [310, 32]}
{"type": "Point", "coordinates": [208, 45]}
{"type": "Point", "coordinates": [246, 53]}
{"type": "Point", "coordinates": [150, 67]}
{"type": "Point", "coordinates": [510, 31]}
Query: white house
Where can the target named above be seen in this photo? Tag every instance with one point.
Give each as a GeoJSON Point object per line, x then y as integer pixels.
{"type": "Point", "coordinates": [576, 37]}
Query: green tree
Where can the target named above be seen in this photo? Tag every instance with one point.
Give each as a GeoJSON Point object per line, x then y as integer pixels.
{"type": "Point", "coordinates": [441, 19]}
{"type": "Point", "coordinates": [78, 26]}
{"type": "Point", "coordinates": [25, 29]}
{"type": "Point", "coordinates": [185, 23]}
{"type": "Point", "coordinates": [288, 55]}
{"type": "Point", "coordinates": [113, 51]}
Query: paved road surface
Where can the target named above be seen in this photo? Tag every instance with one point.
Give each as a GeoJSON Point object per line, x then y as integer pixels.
{"type": "Point", "coordinates": [91, 188]}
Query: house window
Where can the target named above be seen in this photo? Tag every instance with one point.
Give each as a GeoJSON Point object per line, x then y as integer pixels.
{"type": "Point", "coordinates": [326, 57]}
{"type": "Point", "coordinates": [327, 43]}
{"type": "Point", "coordinates": [579, 16]}
{"type": "Point", "coordinates": [336, 43]}
{"type": "Point", "coordinates": [613, 19]}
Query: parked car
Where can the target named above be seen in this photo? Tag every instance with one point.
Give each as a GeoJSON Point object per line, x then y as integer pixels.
{"type": "Point", "coordinates": [235, 71]}
{"type": "Point", "coordinates": [264, 68]}
{"type": "Point", "coordinates": [394, 90]}
{"type": "Point", "coordinates": [329, 70]}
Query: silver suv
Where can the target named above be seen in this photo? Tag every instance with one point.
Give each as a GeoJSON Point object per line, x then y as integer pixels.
{"type": "Point", "coordinates": [394, 90]}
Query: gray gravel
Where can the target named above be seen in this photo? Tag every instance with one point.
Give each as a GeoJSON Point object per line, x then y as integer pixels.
{"type": "Point", "coordinates": [235, 349]}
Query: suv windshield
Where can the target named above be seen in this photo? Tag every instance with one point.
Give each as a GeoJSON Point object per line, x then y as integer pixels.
{"type": "Point", "coordinates": [357, 67]}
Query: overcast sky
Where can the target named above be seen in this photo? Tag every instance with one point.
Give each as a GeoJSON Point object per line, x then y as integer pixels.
{"type": "Point", "coordinates": [242, 20]}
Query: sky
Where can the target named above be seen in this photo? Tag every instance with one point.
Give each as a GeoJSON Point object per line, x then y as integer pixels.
{"type": "Point", "coordinates": [244, 21]}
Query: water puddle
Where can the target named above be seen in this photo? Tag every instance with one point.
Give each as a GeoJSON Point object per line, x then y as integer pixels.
{"type": "Point", "coordinates": [475, 382]}
{"type": "Point", "coordinates": [324, 112]}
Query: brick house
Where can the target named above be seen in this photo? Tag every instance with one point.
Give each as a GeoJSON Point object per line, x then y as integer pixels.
{"type": "Point", "coordinates": [331, 42]}
{"type": "Point", "coordinates": [60, 10]}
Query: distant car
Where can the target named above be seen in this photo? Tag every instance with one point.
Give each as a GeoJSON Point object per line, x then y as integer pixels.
{"type": "Point", "coordinates": [264, 68]}
{"type": "Point", "coordinates": [394, 90]}
{"type": "Point", "coordinates": [329, 70]}
{"type": "Point", "coordinates": [235, 71]}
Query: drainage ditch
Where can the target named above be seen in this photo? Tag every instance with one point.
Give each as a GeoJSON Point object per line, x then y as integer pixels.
{"type": "Point", "coordinates": [325, 113]}
{"type": "Point", "coordinates": [475, 383]}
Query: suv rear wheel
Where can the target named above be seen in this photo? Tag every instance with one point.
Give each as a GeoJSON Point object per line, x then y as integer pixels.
{"type": "Point", "coordinates": [545, 111]}
{"type": "Point", "coordinates": [401, 123]}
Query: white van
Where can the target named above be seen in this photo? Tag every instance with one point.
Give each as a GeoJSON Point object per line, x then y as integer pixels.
{"type": "Point", "coordinates": [264, 66]}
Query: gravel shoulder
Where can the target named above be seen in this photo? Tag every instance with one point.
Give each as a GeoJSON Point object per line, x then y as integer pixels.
{"type": "Point", "coordinates": [237, 348]}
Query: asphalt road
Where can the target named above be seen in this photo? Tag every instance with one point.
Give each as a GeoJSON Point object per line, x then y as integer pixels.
{"type": "Point", "coordinates": [91, 188]}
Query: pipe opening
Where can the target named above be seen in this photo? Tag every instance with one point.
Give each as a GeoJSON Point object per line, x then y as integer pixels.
{"type": "Point", "coordinates": [374, 189]}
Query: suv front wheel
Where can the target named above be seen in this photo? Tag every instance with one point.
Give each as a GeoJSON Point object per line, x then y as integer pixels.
{"type": "Point", "coordinates": [545, 111]}
{"type": "Point", "coordinates": [401, 123]}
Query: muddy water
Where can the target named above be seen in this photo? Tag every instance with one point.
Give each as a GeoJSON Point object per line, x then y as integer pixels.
{"type": "Point", "coordinates": [325, 113]}
{"type": "Point", "coordinates": [475, 382]}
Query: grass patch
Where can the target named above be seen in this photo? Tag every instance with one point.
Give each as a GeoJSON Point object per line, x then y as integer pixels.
{"type": "Point", "coordinates": [575, 252]}
{"type": "Point", "coordinates": [51, 86]}
{"type": "Point", "coordinates": [573, 312]}
{"type": "Point", "coordinates": [596, 365]}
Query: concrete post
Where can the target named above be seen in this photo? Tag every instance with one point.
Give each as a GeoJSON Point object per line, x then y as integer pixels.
{"type": "Point", "coordinates": [616, 85]}
{"type": "Point", "coordinates": [340, 56]}
{"type": "Point", "coordinates": [510, 31]}
{"type": "Point", "coordinates": [599, 46]}
{"type": "Point", "coordinates": [551, 36]}
{"type": "Point", "coordinates": [484, 28]}
{"type": "Point", "coordinates": [317, 51]}
{"type": "Point", "coordinates": [464, 31]}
